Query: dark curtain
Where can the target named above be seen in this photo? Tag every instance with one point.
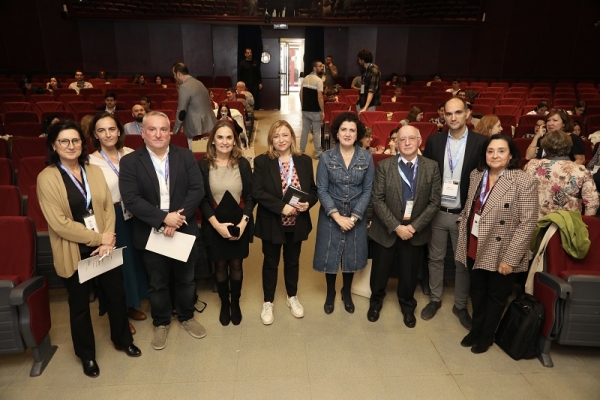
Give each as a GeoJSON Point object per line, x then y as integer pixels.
{"type": "Point", "coordinates": [249, 36]}
{"type": "Point", "coordinates": [314, 46]}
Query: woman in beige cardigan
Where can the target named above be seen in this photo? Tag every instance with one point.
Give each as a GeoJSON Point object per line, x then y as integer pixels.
{"type": "Point", "coordinates": [77, 204]}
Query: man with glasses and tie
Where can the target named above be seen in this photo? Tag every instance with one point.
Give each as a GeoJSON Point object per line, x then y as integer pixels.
{"type": "Point", "coordinates": [406, 197]}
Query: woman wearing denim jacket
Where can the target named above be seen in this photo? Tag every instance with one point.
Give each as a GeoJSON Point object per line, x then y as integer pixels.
{"type": "Point", "coordinates": [344, 183]}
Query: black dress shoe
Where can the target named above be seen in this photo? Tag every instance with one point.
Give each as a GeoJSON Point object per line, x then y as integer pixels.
{"type": "Point", "coordinates": [90, 368]}
{"type": "Point", "coordinates": [373, 313]}
{"type": "Point", "coordinates": [348, 304]}
{"type": "Point", "coordinates": [469, 340]}
{"type": "Point", "coordinates": [328, 308]}
{"type": "Point", "coordinates": [410, 320]}
{"type": "Point", "coordinates": [480, 347]}
{"type": "Point", "coordinates": [132, 350]}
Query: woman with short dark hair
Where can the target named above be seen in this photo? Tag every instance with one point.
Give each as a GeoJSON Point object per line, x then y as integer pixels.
{"type": "Point", "coordinates": [495, 229]}
{"type": "Point", "coordinates": [78, 206]}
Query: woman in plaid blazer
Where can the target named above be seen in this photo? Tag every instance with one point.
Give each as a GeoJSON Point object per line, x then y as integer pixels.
{"type": "Point", "coordinates": [495, 230]}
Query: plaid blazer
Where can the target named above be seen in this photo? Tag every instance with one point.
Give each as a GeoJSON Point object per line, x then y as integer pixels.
{"type": "Point", "coordinates": [506, 224]}
{"type": "Point", "coordinates": [389, 205]}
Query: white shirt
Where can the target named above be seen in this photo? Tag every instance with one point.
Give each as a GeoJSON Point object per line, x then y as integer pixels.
{"type": "Point", "coordinates": [163, 185]}
{"type": "Point", "coordinates": [455, 146]}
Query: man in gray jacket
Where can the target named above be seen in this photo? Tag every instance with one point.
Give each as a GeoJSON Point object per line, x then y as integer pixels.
{"type": "Point", "coordinates": [194, 110]}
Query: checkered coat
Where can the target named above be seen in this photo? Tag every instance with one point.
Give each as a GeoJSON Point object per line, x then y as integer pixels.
{"type": "Point", "coordinates": [506, 224]}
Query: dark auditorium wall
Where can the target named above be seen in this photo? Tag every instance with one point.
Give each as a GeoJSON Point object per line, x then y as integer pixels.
{"type": "Point", "coordinates": [518, 39]}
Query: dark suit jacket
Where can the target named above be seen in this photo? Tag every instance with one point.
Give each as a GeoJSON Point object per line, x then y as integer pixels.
{"type": "Point", "coordinates": [118, 107]}
{"type": "Point", "coordinates": [267, 192]}
{"type": "Point", "coordinates": [435, 149]}
{"type": "Point", "coordinates": [139, 188]}
{"type": "Point", "coordinates": [207, 205]}
{"type": "Point", "coordinates": [389, 205]}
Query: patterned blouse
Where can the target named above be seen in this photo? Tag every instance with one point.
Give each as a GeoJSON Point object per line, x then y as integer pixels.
{"type": "Point", "coordinates": [288, 220]}
{"type": "Point", "coordinates": [564, 185]}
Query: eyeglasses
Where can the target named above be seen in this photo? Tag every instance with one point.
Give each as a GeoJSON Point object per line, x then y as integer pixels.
{"type": "Point", "coordinates": [408, 139]}
{"type": "Point", "coordinates": [64, 143]}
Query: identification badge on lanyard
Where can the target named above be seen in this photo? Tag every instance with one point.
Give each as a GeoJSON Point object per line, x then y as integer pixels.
{"type": "Point", "coordinates": [90, 222]}
{"type": "Point", "coordinates": [475, 228]}
{"type": "Point", "coordinates": [408, 210]}
{"type": "Point", "coordinates": [126, 214]}
{"type": "Point", "coordinates": [362, 88]}
{"type": "Point", "coordinates": [450, 189]}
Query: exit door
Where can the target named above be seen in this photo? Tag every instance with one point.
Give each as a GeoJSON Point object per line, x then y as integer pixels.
{"type": "Point", "coordinates": [270, 93]}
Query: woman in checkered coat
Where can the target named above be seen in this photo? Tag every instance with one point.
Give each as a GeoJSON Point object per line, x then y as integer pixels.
{"type": "Point", "coordinates": [495, 230]}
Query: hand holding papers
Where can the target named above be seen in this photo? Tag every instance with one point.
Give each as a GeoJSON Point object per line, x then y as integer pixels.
{"type": "Point", "coordinates": [178, 247]}
{"type": "Point", "coordinates": [97, 265]}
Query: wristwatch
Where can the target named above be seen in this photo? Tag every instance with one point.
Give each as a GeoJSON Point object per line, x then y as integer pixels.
{"type": "Point", "coordinates": [353, 219]}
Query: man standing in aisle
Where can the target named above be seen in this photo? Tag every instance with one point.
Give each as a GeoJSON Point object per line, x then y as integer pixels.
{"type": "Point", "coordinates": [162, 187]}
{"type": "Point", "coordinates": [370, 88]}
{"type": "Point", "coordinates": [313, 107]}
{"type": "Point", "coordinates": [194, 110]}
{"type": "Point", "coordinates": [249, 73]}
{"type": "Point", "coordinates": [331, 72]}
{"type": "Point", "coordinates": [457, 153]}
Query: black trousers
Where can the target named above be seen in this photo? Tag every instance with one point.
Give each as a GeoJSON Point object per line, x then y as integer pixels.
{"type": "Point", "coordinates": [82, 333]}
{"type": "Point", "coordinates": [408, 259]}
{"type": "Point", "coordinates": [291, 266]}
{"type": "Point", "coordinates": [489, 293]}
{"type": "Point", "coordinates": [159, 270]}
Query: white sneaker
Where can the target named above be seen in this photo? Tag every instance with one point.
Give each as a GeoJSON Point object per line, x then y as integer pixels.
{"type": "Point", "coordinates": [266, 314]}
{"type": "Point", "coordinates": [295, 307]}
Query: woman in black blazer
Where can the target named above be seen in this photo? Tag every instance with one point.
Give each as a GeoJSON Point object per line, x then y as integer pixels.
{"type": "Point", "coordinates": [227, 215]}
{"type": "Point", "coordinates": [279, 223]}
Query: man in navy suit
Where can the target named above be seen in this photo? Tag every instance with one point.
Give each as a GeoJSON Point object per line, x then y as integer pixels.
{"type": "Point", "coordinates": [162, 187]}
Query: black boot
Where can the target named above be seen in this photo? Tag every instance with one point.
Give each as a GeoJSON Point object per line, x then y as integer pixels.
{"type": "Point", "coordinates": [236, 292]}
{"type": "Point", "coordinates": [223, 289]}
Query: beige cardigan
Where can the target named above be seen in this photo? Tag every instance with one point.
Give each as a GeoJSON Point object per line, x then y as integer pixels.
{"type": "Point", "coordinates": [65, 233]}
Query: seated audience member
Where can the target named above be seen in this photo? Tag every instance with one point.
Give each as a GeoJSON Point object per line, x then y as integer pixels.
{"type": "Point", "coordinates": [146, 103]}
{"type": "Point", "coordinates": [47, 122]}
{"type": "Point", "coordinates": [53, 84]}
{"type": "Point", "coordinates": [213, 103]}
{"type": "Point", "coordinates": [392, 147]}
{"type": "Point", "coordinates": [393, 80]}
{"type": "Point", "coordinates": [226, 114]}
{"type": "Point", "coordinates": [102, 75]}
{"type": "Point", "coordinates": [440, 121]}
{"type": "Point", "coordinates": [80, 82]}
{"type": "Point", "coordinates": [489, 125]}
{"type": "Point", "coordinates": [135, 127]}
{"type": "Point", "coordinates": [494, 234]}
{"type": "Point", "coordinates": [471, 119]}
{"type": "Point", "coordinates": [542, 108]}
{"type": "Point", "coordinates": [248, 99]}
{"type": "Point", "coordinates": [563, 185]}
{"type": "Point", "coordinates": [85, 123]}
{"type": "Point", "coordinates": [356, 82]}
{"type": "Point", "coordinates": [110, 99]}
{"type": "Point", "coordinates": [331, 96]}
{"type": "Point", "coordinates": [436, 78]}
{"type": "Point", "coordinates": [414, 115]}
{"type": "Point", "coordinates": [455, 87]}
{"type": "Point", "coordinates": [558, 120]}
{"type": "Point", "coordinates": [139, 80]}
{"type": "Point", "coordinates": [577, 129]}
{"type": "Point", "coordinates": [462, 94]}
{"type": "Point", "coordinates": [397, 93]}
{"type": "Point", "coordinates": [365, 143]}
{"type": "Point", "coordinates": [538, 128]}
{"type": "Point", "coordinates": [579, 109]}
{"type": "Point", "coordinates": [158, 80]}
{"type": "Point", "coordinates": [231, 94]}
{"type": "Point", "coordinates": [403, 212]}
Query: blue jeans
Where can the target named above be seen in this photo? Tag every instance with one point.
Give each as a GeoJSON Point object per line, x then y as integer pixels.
{"type": "Point", "coordinates": [310, 118]}
{"type": "Point", "coordinates": [160, 271]}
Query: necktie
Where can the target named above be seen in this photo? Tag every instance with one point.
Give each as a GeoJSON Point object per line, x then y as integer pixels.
{"type": "Point", "coordinates": [409, 164]}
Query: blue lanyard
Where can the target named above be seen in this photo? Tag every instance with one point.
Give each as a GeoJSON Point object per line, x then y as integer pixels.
{"type": "Point", "coordinates": [483, 196]}
{"type": "Point", "coordinates": [137, 126]}
{"type": "Point", "coordinates": [84, 192]}
{"type": "Point", "coordinates": [110, 164]}
{"type": "Point", "coordinates": [287, 177]}
{"type": "Point", "coordinates": [405, 179]}
{"type": "Point", "coordinates": [365, 73]}
{"type": "Point", "coordinates": [165, 173]}
{"type": "Point", "coordinates": [449, 153]}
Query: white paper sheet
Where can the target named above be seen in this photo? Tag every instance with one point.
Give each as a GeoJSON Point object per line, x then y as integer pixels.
{"type": "Point", "coordinates": [178, 247]}
{"type": "Point", "coordinates": [92, 267]}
